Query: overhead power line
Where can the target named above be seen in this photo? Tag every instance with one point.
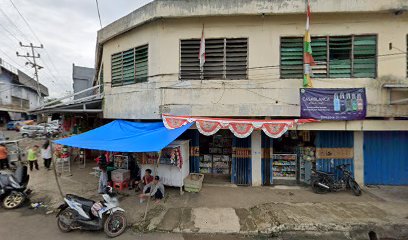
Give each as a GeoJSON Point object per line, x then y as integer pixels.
{"type": "Point", "coordinates": [14, 25]}
{"type": "Point", "coordinates": [99, 14]}
{"type": "Point", "coordinates": [25, 21]}
{"type": "Point", "coordinates": [33, 63]}
{"type": "Point", "coordinates": [48, 55]}
{"type": "Point", "coordinates": [10, 33]}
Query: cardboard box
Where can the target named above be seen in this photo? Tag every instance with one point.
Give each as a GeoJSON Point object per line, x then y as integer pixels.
{"type": "Point", "coordinates": [120, 175]}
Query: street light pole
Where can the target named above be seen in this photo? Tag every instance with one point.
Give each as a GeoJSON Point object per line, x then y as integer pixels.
{"type": "Point", "coordinates": [33, 64]}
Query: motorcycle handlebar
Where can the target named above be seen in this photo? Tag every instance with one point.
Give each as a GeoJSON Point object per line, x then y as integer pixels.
{"type": "Point", "coordinates": [341, 166]}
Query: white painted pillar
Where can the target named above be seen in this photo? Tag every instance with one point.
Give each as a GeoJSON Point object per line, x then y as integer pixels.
{"type": "Point", "coordinates": [256, 160]}
{"type": "Point", "coordinates": [359, 157]}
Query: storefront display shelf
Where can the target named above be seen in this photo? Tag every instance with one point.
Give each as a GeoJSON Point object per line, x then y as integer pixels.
{"type": "Point", "coordinates": [284, 178]}
{"type": "Point", "coordinates": [284, 166]}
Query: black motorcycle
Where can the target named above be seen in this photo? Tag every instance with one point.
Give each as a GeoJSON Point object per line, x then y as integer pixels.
{"type": "Point", "coordinates": [323, 182]}
{"type": "Point", "coordinates": [81, 213]}
{"type": "Point", "coordinates": [13, 187]}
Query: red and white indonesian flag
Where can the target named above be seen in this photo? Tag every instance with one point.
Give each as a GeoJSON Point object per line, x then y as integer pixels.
{"type": "Point", "coordinates": [201, 54]}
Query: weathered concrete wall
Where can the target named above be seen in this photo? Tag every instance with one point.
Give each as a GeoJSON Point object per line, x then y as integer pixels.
{"type": "Point", "coordinates": [159, 9]}
{"type": "Point", "coordinates": [83, 79]}
{"type": "Point", "coordinates": [5, 87]}
{"type": "Point", "coordinates": [364, 125]}
{"type": "Point", "coordinates": [256, 160]}
{"type": "Point", "coordinates": [359, 157]}
{"type": "Point", "coordinates": [263, 94]}
{"type": "Point", "coordinates": [10, 88]}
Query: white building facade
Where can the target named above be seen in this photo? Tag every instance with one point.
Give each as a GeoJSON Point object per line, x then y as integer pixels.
{"type": "Point", "coordinates": [148, 64]}
{"type": "Point", "coordinates": [18, 93]}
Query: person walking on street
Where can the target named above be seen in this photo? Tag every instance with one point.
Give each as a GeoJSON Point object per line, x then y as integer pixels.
{"type": "Point", "coordinates": [3, 157]}
{"type": "Point", "coordinates": [46, 154]}
{"type": "Point", "coordinates": [32, 157]}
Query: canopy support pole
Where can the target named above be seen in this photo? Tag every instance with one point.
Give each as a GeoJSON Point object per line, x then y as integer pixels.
{"type": "Point", "coordinates": [55, 173]}
{"type": "Point", "coordinates": [155, 174]}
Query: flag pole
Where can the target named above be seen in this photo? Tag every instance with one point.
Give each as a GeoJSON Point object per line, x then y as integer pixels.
{"type": "Point", "coordinates": [201, 53]}
{"type": "Point", "coordinates": [308, 60]}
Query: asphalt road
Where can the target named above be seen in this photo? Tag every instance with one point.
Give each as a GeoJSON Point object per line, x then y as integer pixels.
{"type": "Point", "coordinates": [31, 224]}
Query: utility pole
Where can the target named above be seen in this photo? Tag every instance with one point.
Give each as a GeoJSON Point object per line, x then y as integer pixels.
{"type": "Point", "coordinates": [33, 64]}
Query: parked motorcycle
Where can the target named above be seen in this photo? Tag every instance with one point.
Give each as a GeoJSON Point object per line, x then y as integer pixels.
{"type": "Point", "coordinates": [323, 182]}
{"type": "Point", "coordinates": [85, 214]}
{"type": "Point", "coordinates": [13, 187]}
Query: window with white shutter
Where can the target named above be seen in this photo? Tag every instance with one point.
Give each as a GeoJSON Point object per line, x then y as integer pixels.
{"type": "Point", "coordinates": [226, 58]}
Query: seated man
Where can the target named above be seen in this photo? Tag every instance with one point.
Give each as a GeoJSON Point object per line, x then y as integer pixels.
{"type": "Point", "coordinates": [147, 178]}
{"type": "Point", "coordinates": [154, 189]}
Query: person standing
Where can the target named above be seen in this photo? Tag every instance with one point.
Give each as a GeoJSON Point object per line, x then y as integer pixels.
{"type": "Point", "coordinates": [32, 157]}
{"type": "Point", "coordinates": [134, 171]}
{"type": "Point", "coordinates": [3, 157]}
{"type": "Point", "coordinates": [46, 154]}
{"type": "Point", "coordinates": [103, 178]}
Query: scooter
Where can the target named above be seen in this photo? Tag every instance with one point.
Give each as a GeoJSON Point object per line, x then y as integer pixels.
{"type": "Point", "coordinates": [86, 214]}
{"type": "Point", "coordinates": [13, 187]}
{"type": "Point", "coordinates": [323, 182]}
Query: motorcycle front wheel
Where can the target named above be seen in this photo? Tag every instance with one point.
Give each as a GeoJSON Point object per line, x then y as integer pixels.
{"type": "Point", "coordinates": [66, 215]}
{"type": "Point", "coordinates": [115, 224]}
{"type": "Point", "coordinates": [14, 200]}
{"type": "Point", "coordinates": [355, 187]}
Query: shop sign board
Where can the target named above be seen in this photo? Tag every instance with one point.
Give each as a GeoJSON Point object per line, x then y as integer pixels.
{"type": "Point", "coordinates": [333, 103]}
{"type": "Point", "coordinates": [334, 153]}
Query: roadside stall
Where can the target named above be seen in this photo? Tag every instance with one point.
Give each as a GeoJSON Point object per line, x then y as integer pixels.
{"type": "Point", "coordinates": [173, 165]}
{"type": "Point", "coordinates": [146, 139]}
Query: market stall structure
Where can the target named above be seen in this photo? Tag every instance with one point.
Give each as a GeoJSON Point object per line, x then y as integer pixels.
{"type": "Point", "coordinates": [147, 139]}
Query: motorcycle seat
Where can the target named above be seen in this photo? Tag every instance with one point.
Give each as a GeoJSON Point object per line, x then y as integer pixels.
{"type": "Point", "coordinates": [325, 173]}
{"type": "Point", "coordinates": [83, 201]}
{"type": "Point", "coordinates": [4, 180]}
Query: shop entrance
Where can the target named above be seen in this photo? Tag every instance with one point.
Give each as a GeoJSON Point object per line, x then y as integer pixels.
{"type": "Point", "coordinates": [292, 159]}
{"type": "Point", "coordinates": [216, 156]}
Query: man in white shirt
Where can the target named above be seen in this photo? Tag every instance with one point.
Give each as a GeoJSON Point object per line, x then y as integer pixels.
{"type": "Point", "coordinates": [154, 189]}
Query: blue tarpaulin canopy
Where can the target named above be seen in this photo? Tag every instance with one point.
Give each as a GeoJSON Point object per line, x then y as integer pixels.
{"type": "Point", "coordinates": [125, 136]}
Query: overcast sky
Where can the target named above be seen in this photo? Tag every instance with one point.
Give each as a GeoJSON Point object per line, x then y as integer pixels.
{"type": "Point", "coordinates": [66, 28]}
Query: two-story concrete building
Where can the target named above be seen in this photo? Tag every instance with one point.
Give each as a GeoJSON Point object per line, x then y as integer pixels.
{"type": "Point", "coordinates": [82, 79]}
{"type": "Point", "coordinates": [18, 93]}
{"type": "Point", "coordinates": [148, 64]}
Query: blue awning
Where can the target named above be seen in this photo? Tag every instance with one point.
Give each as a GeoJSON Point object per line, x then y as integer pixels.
{"type": "Point", "coordinates": [125, 136]}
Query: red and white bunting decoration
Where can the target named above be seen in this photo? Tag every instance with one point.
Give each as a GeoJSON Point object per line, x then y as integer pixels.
{"type": "Point", "coordinates": [173, 123]}
{"type": "Point", "coordinates": [241, 128]}
{"type": "Point", "coordinates": [208, 128]}
{"type": "Point", "coordinates": [274, 130]}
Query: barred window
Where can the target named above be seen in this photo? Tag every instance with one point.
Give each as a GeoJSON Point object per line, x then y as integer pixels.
{"type": "Point", "coordinates": [352, 56]}
{"type": "Point", "coordinates": [130, 66]}
{"type": "Point", "coordinates": [226, 58]}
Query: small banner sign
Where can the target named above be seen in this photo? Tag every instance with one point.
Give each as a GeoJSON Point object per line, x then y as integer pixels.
{"type": "Point", "coordinates": [333, 103]}
{"type": "Point", "coordinates": [334, 153]}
